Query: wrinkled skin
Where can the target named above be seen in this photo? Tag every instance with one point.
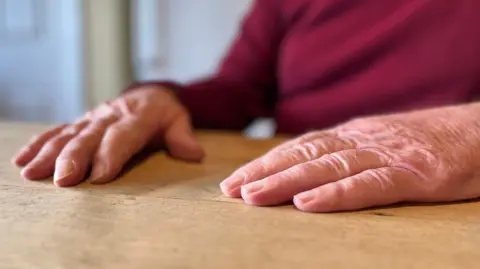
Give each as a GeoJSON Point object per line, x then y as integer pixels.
{"type": "Point", "coordinates": [423, 156]}
{"type": "Point", "coordinates": [107, 137]}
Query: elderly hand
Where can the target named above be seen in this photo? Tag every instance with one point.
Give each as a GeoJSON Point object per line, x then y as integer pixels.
{"type": "Point", "coordinates": [423, 156]}
{"type": "Point", "coordinates": [107, 137]}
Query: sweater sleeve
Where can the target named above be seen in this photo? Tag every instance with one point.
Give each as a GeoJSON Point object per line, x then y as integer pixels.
{"type": "Point", "coordinates": [244, 86]}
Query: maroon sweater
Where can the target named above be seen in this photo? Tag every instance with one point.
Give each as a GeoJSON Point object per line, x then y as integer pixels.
{"type": "Point", "coordinates": [313, 64]}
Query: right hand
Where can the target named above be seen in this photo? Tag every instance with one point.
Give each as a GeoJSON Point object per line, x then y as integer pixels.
{"type": "Point", "coordinates": [110, 135]}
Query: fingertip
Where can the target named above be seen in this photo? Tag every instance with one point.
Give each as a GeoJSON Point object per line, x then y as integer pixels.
{"type": "Point", "coordinates": [100, 180]}
{"type": "Point", "coordinates": [66, 182]}
{"type": "Point", "coordinates": [67, 173]}
{"type": "Point", "coordinates": [16, 161]}
{"type": "Point", "coordinates": [182, 142]}
{"type": "Point", "coordinates": [21, 159]}
{"type": "Point", "coordinates": [21, 162]}
{"type": "Point", "coordinates": [229, 192]}
{"type": "Point", "coordinates": [247, 197]}
{"type": "Point", "coordinates": [257, 193]}
{"type": "Point", "coordinates": [187, 149]}
{"type": "Point", "coordinates": [193, 155]}
{"type": "Point", "coordinates": [28, 173]}
{"type": "Point", "coordinates": [301, 205]}
{"type": "Point", "coordinates": [231, 186]}
{"type": "Point", "coordinates": [103, 174]}
{"type": "Point", "coordinates": [313, 202]}
{"type": "Point", "coordinates": [34, 173]}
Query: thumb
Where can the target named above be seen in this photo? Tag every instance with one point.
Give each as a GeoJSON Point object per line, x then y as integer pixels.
{"type": "Point", "coordinates": [181, 142]}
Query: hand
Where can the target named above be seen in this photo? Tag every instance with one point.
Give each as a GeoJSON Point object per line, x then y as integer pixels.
{"type": "Point", "coordinates": [107, 137]}
{"type": "Point", "coordinates": [423, 156]}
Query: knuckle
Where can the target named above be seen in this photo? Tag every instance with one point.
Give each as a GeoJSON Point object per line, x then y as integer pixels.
{"type": "Point", "coordinates": [89, 115]}
{"type": "Point", "coordinates": [308, 151]}
{"type": "Point", "coordinates": [72, 129]}
{"type": "Point", "coordinates": [299, 171]}
{"type": "Point", "coordinates": [246, 175]}
{"type": "Point", "coordinates": [255, 169]}
{"type": "Point", "coordinates": [106, 120]}
{"type": "Point", "coordinates": [381, 179]}
{"type": "Point", "coordinates": [327, 145]}
{"type": "Point", "coordinates": [377, 153]}
{"type": "Point", "coordinates": [35, 139]}
{"type": "Point", "coordinates": [147, 122]}
{"type": "Point", "coordinates": [58, 141]}
{"type": "Point", "coordinates": [348, 142]}
{"type": "Point", "coordinates": [71, 152]}
{"type": "Point", "coordinates": [83, 136]}
{"type": "Point", "coordinates": [343, 187]}
{"type": "Point", "coordinates": [338, 163]}
{"type": "Point", "coordinates": [421, 160]}
{"type": "Point", "coordinates": [282, 157]}
{"type": "Point", "coordinates": [336, 195]}
{"type": "Point", "coordinates": [89, 134]}
{"type": "Point", "coordinates": [106, 109]}
{"type": "Point", "coordinates": [258, 166]}
{"type": "Point", "coordinates": [120, 129]}
{"type": "Point", "coordinates": [80, 143]}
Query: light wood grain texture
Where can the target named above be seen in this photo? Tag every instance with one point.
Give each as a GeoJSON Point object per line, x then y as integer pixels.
{"type": "Point", "coordinates": [168, 214]}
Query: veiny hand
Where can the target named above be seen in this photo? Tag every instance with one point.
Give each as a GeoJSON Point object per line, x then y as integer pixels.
{"type": "Point", "coordinates": [107, 137]}
{"type": "Point", "coordinates": [423, 156]}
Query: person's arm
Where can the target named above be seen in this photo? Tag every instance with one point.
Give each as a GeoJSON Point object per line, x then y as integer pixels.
{"type": "Point", "coordinates": [244, 86]}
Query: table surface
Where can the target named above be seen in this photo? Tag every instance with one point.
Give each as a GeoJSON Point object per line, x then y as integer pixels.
{"type": "Point", "coordinates": [165, 213]}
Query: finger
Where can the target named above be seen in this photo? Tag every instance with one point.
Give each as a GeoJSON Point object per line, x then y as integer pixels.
{"type": "Point", "coordinates": [121, 142]}
{"type": "Point", "coordinates": [282, 186]}
{"type": "Point", "coordinates": [308, 137]}
{"type": "Point", "coordinates": [76, 157]}
{"type": "Point", "coordinates": [181, 142]}
{"type": "Point", "coordinates": [375, 187]}
{"type": "Point", "coordinates": [27, 153]}
{"type": "Point", "coordinates": [43, 165]}
{"type": "Point", "coordinates": [280, 160]}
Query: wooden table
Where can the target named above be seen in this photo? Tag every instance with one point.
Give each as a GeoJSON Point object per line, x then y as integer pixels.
{"type": "Point", "coordinates": [168, 214]}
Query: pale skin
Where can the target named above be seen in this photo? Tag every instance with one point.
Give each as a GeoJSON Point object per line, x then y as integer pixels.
{"type": "Point", "coordinates": [430, 155]}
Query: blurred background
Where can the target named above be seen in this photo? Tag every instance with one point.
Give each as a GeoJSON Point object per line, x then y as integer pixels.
{"type": "Point", "coordinates": [59, 58]}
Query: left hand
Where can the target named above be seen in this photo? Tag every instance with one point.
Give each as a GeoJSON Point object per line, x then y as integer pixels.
{"type": "Point", "coordinates": [423, 156]}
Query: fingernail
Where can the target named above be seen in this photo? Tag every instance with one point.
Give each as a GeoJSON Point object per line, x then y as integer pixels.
{"type": "Point", "coordinates": [230, 184]}
{"type": "Point", "coordinates": [254, 187]}
{"type": "Point", "coordinates": [305, 197]}
{"type": "Point", "coordinates": [63, 169]}
{"type": "Point", "coordinates": [26, 173]}
{"type": "Point", "coordinates": [98, 174]}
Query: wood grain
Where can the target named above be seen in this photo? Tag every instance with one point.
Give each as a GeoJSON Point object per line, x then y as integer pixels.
{"type": "Point", "coordinates": [169, 214]}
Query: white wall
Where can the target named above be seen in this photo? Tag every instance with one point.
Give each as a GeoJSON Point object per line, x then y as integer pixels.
{"type": "Point", "coordinates": [40, 63]}
{"type": "Point", "coordinates": [61, 57]}
{"type": "Point", "coordinates": [200, 33]}
{"type": "Point", "coordinates": [183, 39]}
